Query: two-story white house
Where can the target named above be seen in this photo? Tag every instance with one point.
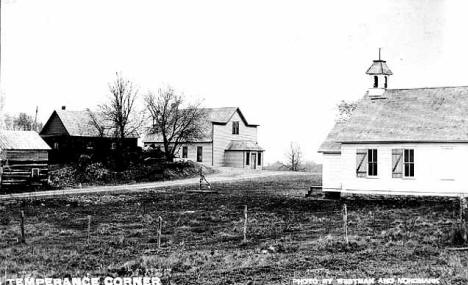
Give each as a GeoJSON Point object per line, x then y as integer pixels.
{"type": "Point", "coordinates": [230, 141]}
{"type": "Point", "coordinates": [400, 141]}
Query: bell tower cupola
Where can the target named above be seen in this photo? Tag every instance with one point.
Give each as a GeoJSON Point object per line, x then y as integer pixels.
{"type": "Point", "coordinates": [379, 74]}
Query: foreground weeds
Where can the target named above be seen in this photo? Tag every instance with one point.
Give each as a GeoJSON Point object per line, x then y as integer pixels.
{"type": "Point", "coordinates": [202, 236]}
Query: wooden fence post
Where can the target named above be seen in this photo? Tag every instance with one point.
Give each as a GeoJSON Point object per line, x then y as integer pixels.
{"type": "Point", "coordinates": [23, 237]}
{"type": "Point", "coordinates": [245, 223]}
{"type": "Point", "coordinates": [463, 206]}
{"type": "Point", "coordinates": [159, 231]}
{"type": "Point", "coordinates": [345, 223]}
{"type": "Point", "coordinates": [89, 229]}
{"type": "Point", "coordinates": [373, 223]}
{"type": "Point", "coordinates": [201, 179]}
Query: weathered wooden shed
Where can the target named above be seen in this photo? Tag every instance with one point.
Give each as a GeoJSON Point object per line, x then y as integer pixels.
{"type": "Point", "coordinates": [23, 158]}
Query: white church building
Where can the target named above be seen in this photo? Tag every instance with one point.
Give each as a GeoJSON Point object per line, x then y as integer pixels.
{"type": "Point", "coordinates": [400, 141]}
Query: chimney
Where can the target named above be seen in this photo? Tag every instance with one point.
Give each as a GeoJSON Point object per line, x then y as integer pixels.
{"type": "Point", "coordinates": [64, 108]}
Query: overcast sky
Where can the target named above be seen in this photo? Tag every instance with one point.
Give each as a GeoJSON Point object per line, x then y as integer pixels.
{"type": "Point", "coordinates": [286, 64]}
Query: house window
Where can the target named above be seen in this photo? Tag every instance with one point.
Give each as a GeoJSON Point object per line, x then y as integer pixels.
{"type": "Point", "coordinates": [199, 153]}
{"type": "Point", "coordinates": [247, 158]}
{"type": "Point", "coordinates": [35, 172]}
{"type": "Point", "coordinates": [235, 128]}
{"type": "Point", "coordinates": [366, 162]}
{"type": "Point", "coordinates": [386, 82]}
{"type": "Point", "coordinates": [56, 145]}
{"type": "Point", "coordinates": [376, 81]}
{"type": "Point", "coordinates": [90, 146]}
{"type": "Point", "coordinates": [184, 152]}
{"type": "Point", "coordinates": [402, 163]}
{"type": "Point", "coordinates": [409, 162]}
{"type": "Point", "coordinates": [372, 162]}
{"type": "Point", "coordinates": [259, 158]}
{"type": "Point", "coordinates": [114, 146]}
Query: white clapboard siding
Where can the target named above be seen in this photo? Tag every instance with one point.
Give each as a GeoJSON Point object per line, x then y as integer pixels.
{"type": "Point", "coordinates": [331, 172]}
{"type": "Point", "coordinates": [238, 159]}
{"type": "Point", "coordinates": [439, 170]}
{"type": "Point", "coordinates": [234, 159]}
{"type": "Point", "coordinates": [222, 135]}
{"type": "Point", "coordinates": [192, 152]}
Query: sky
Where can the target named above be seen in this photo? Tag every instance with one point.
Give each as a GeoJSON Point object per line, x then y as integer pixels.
{"type": "Point", "coordinates": [286, 64]}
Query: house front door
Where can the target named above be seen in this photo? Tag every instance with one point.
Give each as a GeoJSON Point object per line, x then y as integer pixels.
{"type": "Point", "coordinates": [253, 160]}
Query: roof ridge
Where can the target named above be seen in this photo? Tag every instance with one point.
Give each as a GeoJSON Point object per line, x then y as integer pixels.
{"type": "Point", "coordinates": [433, 87]}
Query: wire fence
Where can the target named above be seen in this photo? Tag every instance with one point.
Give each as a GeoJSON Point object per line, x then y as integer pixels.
{"type": "Point", "coordinates": [150, 228]}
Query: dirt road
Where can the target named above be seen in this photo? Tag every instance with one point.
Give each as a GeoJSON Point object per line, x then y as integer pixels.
{"type": "Point", "coordinates": [223, 174]}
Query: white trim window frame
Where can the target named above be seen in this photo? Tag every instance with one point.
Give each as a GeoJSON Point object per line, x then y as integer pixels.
{"type": "Point", "coordinates": [408, 163]}
{"type": "Point", "coordinates": [372, 160]}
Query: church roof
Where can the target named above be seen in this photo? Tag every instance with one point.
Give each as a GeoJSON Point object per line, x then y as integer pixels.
{"type": "Point", "coordinates": [379, 67]}
{"type": "Point", "coordinates": [405, 115]}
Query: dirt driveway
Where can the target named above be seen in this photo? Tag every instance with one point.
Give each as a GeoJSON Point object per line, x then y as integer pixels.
{"type": "Point", "coordinates": [223, 174]}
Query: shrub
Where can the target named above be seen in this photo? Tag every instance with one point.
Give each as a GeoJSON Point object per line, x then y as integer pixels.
{"type": "Point", "coordinates": [83, 162]}
{"type": "Point", "coordinates": [4, 219]}
{"type": "Point", "coordinates": [456, 236]}
{"type": "Point", "coordinates": [87, 172]}
{"type": "Point", "coordinates": [96, 172]}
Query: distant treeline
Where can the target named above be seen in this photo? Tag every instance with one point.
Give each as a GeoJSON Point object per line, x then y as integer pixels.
{"type": "Point", "coordinates": [307, 166]}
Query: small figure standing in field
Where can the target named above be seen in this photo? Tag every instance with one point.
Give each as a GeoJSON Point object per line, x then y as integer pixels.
{"type": "Point", "coordinates": [203, 178]}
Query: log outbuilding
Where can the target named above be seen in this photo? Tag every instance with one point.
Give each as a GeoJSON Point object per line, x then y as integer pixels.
{"type": "Point", "coordinates": [24, 158]}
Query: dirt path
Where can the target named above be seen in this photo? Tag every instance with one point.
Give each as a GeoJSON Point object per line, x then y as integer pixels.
{"type": "Point", "coordinates": [223, 174]}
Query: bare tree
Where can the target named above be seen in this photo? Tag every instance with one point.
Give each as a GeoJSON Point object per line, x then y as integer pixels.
{"type": "Point", "coordinates": [95, 120]}
{"type": "Point", "coordinates": [119, 114]}
{"type": "Point", "coordinates": [174, 121]}
{"type": "Point", "coordinates": [294, 157]}
{"type": "Point", "coordinates": [8, 122]}
{"type": "Point", "coordinates": [345, 110]}
{"type": "Point", "coordinates": [23, 122]}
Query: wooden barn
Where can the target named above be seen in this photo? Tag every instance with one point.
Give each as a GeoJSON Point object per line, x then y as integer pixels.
{"type": "Point", "coordinates": [400, 141]}
{"type": "Point", "coordinates": [72, 133]}
{"type": "Point", "coordinates": [24, 158]}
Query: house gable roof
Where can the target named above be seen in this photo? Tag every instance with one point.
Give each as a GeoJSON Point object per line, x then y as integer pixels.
{"type": "Point", "coordinates": [224, 115]}
{"type": "Point", "coordinates": [220, 116]}
{"type": "Point", "coordinates": [22, 140]}
{"type": "Point", "coordinates": [405, 115]}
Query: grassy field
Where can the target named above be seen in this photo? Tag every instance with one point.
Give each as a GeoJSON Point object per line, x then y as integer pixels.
{"type": "Point", "coordinates": [288, 235]}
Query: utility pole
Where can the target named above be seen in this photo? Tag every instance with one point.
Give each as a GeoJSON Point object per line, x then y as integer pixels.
{"type": "Point", "coordinates": [35, 118]}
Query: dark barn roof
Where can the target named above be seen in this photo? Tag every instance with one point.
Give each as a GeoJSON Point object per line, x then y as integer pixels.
{"type": "Point", "coordinates": [79, 123]}
{"type": "Point", "coordinates": [405, 115]}
{"type": "Point", "coordinates": [21, 140]}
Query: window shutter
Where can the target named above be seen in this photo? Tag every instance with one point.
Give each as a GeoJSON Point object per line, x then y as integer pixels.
{"type": "Point", "coordinates": [397, 163]}
{"type": "Point", "coordinates": [361, 162]}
